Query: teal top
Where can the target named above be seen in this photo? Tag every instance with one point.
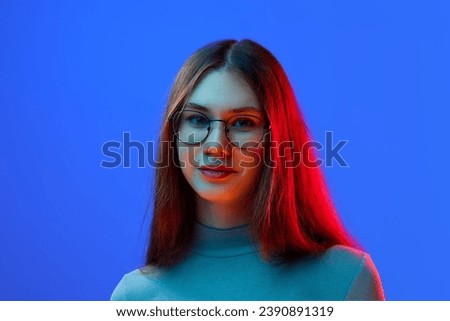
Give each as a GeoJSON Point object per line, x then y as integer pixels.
{"type": "Point", "coordinates": [225, 264]}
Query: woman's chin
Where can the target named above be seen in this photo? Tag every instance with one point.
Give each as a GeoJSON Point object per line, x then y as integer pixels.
{"type": "Point", "coordinates": [221, 197]}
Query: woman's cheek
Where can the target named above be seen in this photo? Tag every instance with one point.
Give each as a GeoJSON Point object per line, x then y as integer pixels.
{"type": "Point", "coordinates": [186, 156]}
{"type": "Point", "coordinates": [251, 158]}
{"type": "Point", "coordinates": [185, 162]}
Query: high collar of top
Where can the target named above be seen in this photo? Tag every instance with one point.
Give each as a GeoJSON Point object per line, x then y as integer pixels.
{"type": "Point", "coordinates": [214, 242]}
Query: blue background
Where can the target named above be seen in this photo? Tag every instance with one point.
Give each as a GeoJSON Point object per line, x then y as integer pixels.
{"type": "Point", "coordinates": [76, 74]}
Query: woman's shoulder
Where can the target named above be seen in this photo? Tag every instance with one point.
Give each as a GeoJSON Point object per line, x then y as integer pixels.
{"type": "Point", "coordinates": [344, 254]}
{"type": "Point", "coordinates": [358, 267]}
{"type": "Point", "coordinates": [145, 272]}
{"type": "Point", "coordinates": [137, 284]}
{"type": "Point", "coordinates": [346, 260]}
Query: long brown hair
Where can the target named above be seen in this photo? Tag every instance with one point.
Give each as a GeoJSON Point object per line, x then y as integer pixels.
{"type": "Point", "coordinates": [291, 211]}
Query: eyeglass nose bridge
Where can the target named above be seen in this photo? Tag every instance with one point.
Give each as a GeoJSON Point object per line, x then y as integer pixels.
{"type": "Point", "coordinates": [223, 121]}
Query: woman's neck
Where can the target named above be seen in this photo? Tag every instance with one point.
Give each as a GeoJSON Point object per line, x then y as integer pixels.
{"type": "Point", "coordinates": [220, 215]}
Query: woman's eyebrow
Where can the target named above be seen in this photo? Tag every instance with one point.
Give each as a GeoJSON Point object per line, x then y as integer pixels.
{"type": "Point", "coordinates": [234, 110]}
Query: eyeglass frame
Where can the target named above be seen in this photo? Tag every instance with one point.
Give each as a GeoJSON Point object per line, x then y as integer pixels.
{"type": "Point", "coordinates": [267, 127]}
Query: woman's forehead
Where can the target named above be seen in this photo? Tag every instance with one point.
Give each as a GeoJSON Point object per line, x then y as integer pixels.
{"type": "Point", "coordinates": [224, 91]}
{"type": "Point", "coordinates": [227, 110]}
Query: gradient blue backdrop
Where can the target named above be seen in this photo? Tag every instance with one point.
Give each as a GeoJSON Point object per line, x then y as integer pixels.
{"type": "Point", "coordinates": [76, 74]}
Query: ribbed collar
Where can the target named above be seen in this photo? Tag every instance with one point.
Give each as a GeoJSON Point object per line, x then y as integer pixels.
{"type": "Point", "coordinates": [214, 242]}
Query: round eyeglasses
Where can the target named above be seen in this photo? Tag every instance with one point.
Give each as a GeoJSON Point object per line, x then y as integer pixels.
{"type": "Point", "coordinates": [192, 127]}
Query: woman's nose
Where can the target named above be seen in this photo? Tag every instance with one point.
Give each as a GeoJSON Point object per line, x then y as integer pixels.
{"type": "Point", "coordinates": [217, 142]}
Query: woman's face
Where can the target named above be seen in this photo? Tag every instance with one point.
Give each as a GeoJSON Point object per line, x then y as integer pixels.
{"type": "Point", "coordinates": [215, 96]}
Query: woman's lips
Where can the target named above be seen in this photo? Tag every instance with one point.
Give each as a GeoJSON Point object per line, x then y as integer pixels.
{"type": "Point", "coordinates": [210, 173]}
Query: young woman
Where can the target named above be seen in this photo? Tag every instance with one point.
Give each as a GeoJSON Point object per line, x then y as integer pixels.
{"type": "Point", "coordinates": [241, 209]}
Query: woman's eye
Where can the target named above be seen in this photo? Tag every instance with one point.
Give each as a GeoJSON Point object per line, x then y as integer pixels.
{"type": "Point", "coordinates": [243, 123]}
{"type": "Point", "coordinates": [197, 120]}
